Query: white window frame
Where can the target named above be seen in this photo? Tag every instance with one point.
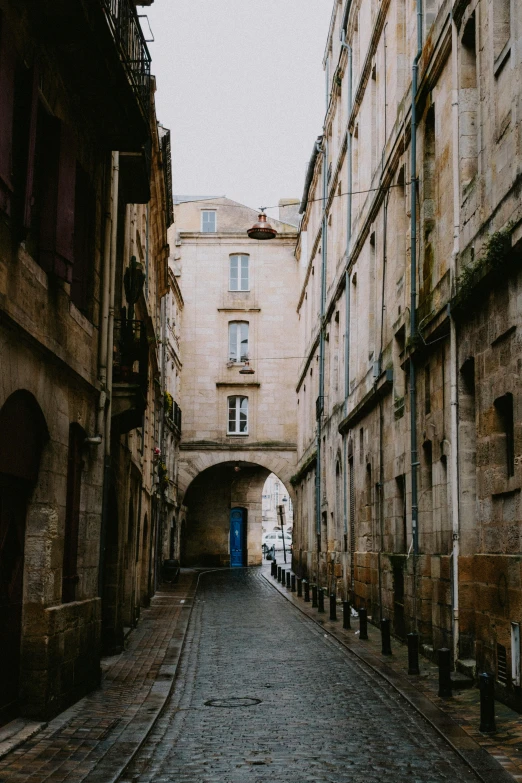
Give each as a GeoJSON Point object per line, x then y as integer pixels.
{"type": "Point", "coordinates": [235, 341]}
{"type": "Point", "coordinates": [240, 264]}
{"type": "Point", "coordinates": [234, 411]}
{"type": "Point", "coordinates": [208, 212]}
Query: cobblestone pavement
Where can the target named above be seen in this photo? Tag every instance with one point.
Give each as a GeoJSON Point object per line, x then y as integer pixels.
{"type": "Point", "coordinates": [497, 757]}
{"type": "Point", "coordinates": [93, 740]}
{"type": "Point", "coordinates": [322, 714]}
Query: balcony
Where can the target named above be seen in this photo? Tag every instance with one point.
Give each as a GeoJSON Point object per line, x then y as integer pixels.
{"type": "Point", "coordinates": [129, 374]}
{"type": "Point", "coordinates": [172, 413]}
{"type": "Point", "coordinates": [105, 62]}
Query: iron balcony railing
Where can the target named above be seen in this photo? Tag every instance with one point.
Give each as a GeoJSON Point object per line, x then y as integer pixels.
{"type": "Point", "coordinates": [134, 54]}
{"type": "Point", "coordinates": [177, 417]}
{"type": "Point", "coordinates": [131, 353]}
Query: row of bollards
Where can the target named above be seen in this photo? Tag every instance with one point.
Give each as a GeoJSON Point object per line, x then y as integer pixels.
{"type": "Point", "coordinates": [486, 681]}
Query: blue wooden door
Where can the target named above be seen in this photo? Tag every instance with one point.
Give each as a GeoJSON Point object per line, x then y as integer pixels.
{"type": "Point", "coordinates": [237, 537]}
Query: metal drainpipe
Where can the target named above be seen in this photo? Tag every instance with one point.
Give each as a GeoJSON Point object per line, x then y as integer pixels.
{"type": "Point", "coordinates": [347, 291]}
{"type": "Point", "coordinates": [106, 348]}
{"type": "Point", "coordinates": [454, 410]}
{"type": "Point", "coordinates": [324, 240]}
{"type": "Point", "coordinates": [413, 305]}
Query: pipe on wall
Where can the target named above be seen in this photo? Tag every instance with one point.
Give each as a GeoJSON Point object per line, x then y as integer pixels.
{"type": "Point", "coordinates": [454, 410]}
{"type": "Point", "coordinates": [347, 291]}
{"type": "Point", "coordinates": [106, 349]}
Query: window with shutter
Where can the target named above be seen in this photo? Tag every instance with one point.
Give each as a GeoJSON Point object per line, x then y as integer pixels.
{"type": "Point", "coordinates": [7, 82]}
{"type": "Point", "coordinates": [51, 205]}
{"type": "Point", "coordinates": [84, 243]}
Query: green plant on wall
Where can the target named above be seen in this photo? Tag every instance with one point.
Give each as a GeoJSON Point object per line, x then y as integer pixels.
{"type": "Point", "coordinates": [169, 405]}
{"type": "Point", "coordinates": [163, 475]}
{"type": "Point", "coordinates": [495, 252]}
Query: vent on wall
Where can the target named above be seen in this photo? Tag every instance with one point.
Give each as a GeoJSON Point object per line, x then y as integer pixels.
{"type": "Point", "coordinates": [501, 664]}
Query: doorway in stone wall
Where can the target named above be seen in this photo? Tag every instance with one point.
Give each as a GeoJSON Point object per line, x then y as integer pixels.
{"type": "Point", "coordinates": [238, 535]}
{"type": "Point", "coordinates": [23, 432]}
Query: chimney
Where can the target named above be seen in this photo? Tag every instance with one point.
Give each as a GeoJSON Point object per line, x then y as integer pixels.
{"type": "Point", "coordinates": [289, 211]}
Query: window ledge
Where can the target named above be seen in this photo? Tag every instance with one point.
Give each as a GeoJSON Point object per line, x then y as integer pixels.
{"type": "Point", "coordinates": [237, 434]}
{"type": "Point", "coordinates": [241, 384]}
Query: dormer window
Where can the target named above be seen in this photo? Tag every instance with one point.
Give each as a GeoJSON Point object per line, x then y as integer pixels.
{"type": "Point", "coordinates": [208, 221]}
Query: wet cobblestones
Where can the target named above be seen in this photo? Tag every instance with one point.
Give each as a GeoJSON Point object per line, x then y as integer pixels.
{"type": "Point", "coordinates": [323, 716]}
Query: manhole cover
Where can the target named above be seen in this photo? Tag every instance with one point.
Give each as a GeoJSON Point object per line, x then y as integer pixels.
{"type": "Point", "coordinates": [234, 702]}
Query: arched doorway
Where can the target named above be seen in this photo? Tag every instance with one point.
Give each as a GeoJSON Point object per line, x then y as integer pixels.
{"type": "Point", "coordinates": [23, 433]}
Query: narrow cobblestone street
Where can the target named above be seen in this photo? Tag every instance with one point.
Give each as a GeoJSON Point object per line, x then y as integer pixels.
{"type": "Point", "coordinates": [246, 643]}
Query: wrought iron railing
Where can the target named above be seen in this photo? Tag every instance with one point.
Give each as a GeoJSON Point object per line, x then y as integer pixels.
{"type": "Point", "coordinates": [177, 416]}
{"type": "Point", "coordinates": [131, 353]}
{"type": "Point", "coordinates": [134, 54]}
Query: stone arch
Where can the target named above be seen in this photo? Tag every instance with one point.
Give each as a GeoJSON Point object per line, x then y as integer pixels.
{"type": "Point", "coordinates": [192, 463]}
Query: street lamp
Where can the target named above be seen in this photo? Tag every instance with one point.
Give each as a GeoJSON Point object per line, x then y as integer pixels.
{"type": "Point", "coordinates": [262, 229]}
{"type": "Point", "coordinates": [247, 369]}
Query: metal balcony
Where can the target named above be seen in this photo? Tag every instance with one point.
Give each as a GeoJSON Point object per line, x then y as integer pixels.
{"type": "Point", "coordinates": [134, 54]}
{"type": "Point", "coordinates": [104, 61]}
{"type": "Point", "coordinates": [130, 372]}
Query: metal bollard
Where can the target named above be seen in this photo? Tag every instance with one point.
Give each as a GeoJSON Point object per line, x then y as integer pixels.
{"type": "Point", "coordinates": [413, 653]}
{"type": "Point", "coordinates": [283, 576]}
{"type": "Point", "coordinates": [314, 596]}
{"type": "Point", "coordinates": [333, 607]}
{"type": "Point", "coordinates": [346, 614]}
{"type": "Point", "coordinates": [487, 703]}
{"type": "Point", "coordinates": [444, 672]}
{"type": "Point", "coordinates": [293, 583]}
{"type": "Point", "coordinates": [299, 588]}
{"type": "Point", "coordinates": [306, 591]}
{"type": "Point", "coordinates": [288, 575]}
{"type": "Point", "coordinates": [385, 637]}
{"type": "Point", "coordinates": [320, 600]}
{"type": "Point", "coordinates": [278, 573]}
{"type": "Point", "coordinates": [274, 568]}
{"type": "Point", "coordinates": [363, 624]}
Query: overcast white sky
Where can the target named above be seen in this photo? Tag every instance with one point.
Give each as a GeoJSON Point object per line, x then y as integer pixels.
{"type": "Point", "coordinates": [241, 86]}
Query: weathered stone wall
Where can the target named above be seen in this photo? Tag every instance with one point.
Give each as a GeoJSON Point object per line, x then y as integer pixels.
{"type": "Point", "coordinates": [468, 292]}
{"type": "Point", "coordinates": [201, 262]}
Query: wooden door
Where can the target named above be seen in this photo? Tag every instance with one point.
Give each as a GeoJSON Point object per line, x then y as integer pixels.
{"type": "Point", "coordinates": [13, 504]}
{"type": "Point", "coordinates": [237, 537]}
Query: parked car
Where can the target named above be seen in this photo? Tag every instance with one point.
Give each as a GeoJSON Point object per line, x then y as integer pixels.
{"type": "Point", "coordinates": [275, 539]}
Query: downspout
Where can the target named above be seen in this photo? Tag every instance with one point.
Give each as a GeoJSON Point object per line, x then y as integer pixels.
{"type": "Point", "coordinates": [106, 351]}
{"type": "Point", "coordinates": [413, 306]}
{"type": "Point", "coordinates": [381, 405]}
{"type": "Point", "coordinates": [454, 401]}
{"type": "Point", "coordinates": [324, 240]}
{"type": "Point", "coordinates": [347, 291]}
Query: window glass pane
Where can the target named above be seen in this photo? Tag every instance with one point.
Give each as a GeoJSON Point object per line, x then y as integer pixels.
{"type": "Point", "coordinates": [231, 414]}
{"type": "Point", "coordinates": [232, 342]}
{"type": "Point", "coordinates": [243, 414]}
{"type": "Point", "coordinates": [234, 272]}
{"type": "Point", "coordinates": [244, 273]}
{"type": "Point", "coordinates": [244, 342]}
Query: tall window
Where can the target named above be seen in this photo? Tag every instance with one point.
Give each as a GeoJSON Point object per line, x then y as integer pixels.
{"type": "Point", "coordinates": [239, 277]}
{"type": "Point", "coordinates": [238, 341]}
{"type": "Point", "coordinates": [504, 407]}
{"type": "Point", "coordinates": [237, 416]}
{"type": "Point", "coordinates": [208, 221]}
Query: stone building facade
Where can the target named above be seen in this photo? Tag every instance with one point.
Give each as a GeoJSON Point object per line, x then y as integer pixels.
{"type": "Point", "coordinates": [77, 373]}
{"type": "Point", "coordinates": [237, 428]}
{"type": "Point", "coordinates": [409, 438]}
